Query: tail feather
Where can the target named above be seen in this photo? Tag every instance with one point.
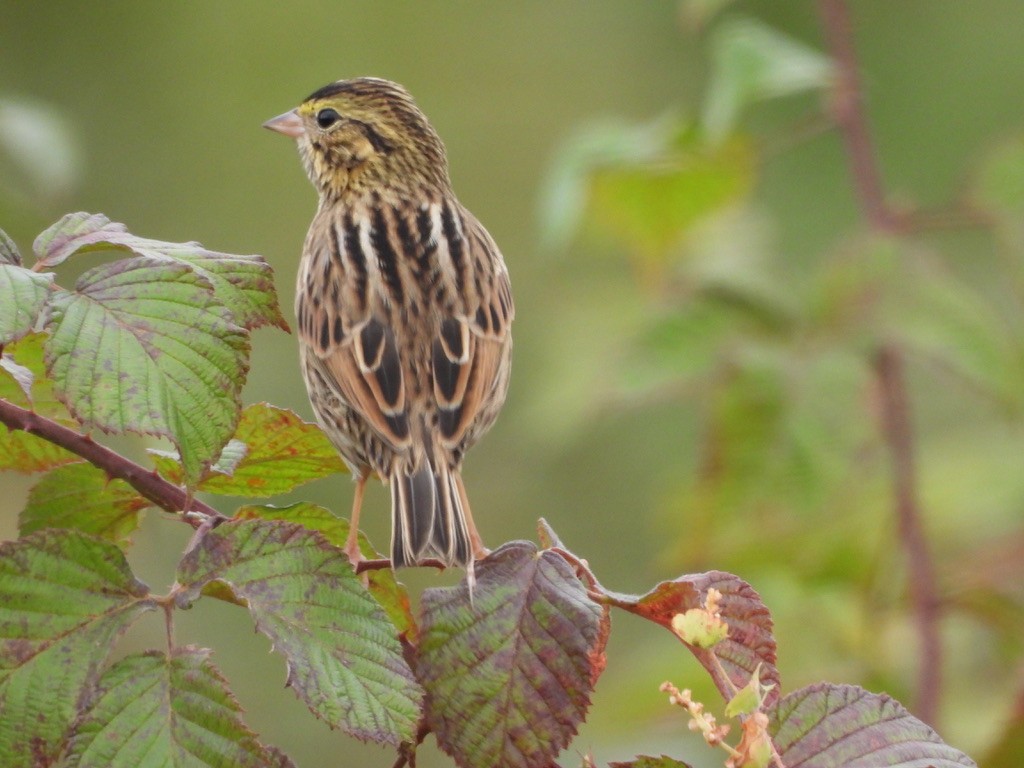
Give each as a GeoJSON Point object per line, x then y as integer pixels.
{"type": "Point", "coordinates": [427, 517]}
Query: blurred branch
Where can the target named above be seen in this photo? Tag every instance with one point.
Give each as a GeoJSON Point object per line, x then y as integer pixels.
{"type": "Point", "coordinates": [148, 483]}
{"type": "Point", "coordinates": [848, 112]}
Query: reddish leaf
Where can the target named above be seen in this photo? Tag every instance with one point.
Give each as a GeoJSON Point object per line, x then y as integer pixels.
{"type": "Point", "coordinates": [750, 641]}
{"type": "Point", "coordinates": [643, 761]}
{"type": "Point", "coordinates": [842, 726]}
{"type": "Point", "coordinates": [509, 670]}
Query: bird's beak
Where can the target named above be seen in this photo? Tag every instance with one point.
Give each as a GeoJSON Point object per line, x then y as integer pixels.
{"type": "Point", "coordinates": [290, 124]}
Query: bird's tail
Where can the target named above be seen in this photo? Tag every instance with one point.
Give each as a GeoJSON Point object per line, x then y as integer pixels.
{"type": "Point", "coordinates": [427, 516]}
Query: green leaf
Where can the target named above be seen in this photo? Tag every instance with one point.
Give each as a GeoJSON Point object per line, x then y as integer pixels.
{"type": "Point", "coordinates": [644, 761]}
{"type": "Point", "coordinates": [750, 62]}
{"type": "Point", "coordinates": [23, 294]}
{"type": "Point", "coordinates": [999, 183]}
{"type": "Point", "coordinates": [19, 375]}
{"type": "Point", "coordinates": [750, 643]}
{"type": "Point", "coordinates": [9, 253]}
{"type": "Point", "coordinates": [151, 709]}
{"type": "Point", "coordinates": [344, 660]}
{"type": "Point", "coordinates": [509, 669]}
{"type": "Point", "coordinates": [143, 346]}
{"type": "Point", "coordinates": [244, 284]}
{"type": "Point", "coordinates": [842, 726]}
{"type": "Point", "coordinates": [21, 451]}
{"type": "Point", "coordinates": [386, 589]}
{"type": "Point", "coordinates": [83, 497]}
{"type": "Point", "coordinates": [64, 598]}
{"type": "Point", "coordinates": [273, 451]}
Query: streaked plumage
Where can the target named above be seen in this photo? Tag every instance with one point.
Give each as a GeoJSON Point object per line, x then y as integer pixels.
{"type": "Point", "coordinates": [404, 311]}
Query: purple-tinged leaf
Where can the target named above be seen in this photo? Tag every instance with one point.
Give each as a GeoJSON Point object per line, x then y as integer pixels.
{"type": "Point", "coordinates": [9, 253]}
{"type": "Point", "coordinates": [151, 709]}
{"type": "Point", "coordinates": [750, 640]}
{"type": "Point", "coordinates": [842, 726]}
{"type": "Point", "coordinates": [643, 761]}
{"type": "Point", "coordinates": [143, 346]}
{"type": "Point", "coordinates": [344, 660]}
{"type": "Point", "coordinates": [82, 497]}
{"type": "Point", "coordinates": [386, 589]}
{"type": "Point", "coordinates": [23, 294]}
{"type": "Point", "coordinates": [509, 669]}
{"type": "Point", "coordinates": [64, 598]}
{"type": "Point", "coordinates": [272, 452]}
{"type": "Point", "coordinates": [244, 284]}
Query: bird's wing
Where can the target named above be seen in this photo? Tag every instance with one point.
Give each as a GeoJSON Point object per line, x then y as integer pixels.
{"type": "Point", "coordinates": [471, 346]}
{"type": "Point", "coordinates": [356, 351]}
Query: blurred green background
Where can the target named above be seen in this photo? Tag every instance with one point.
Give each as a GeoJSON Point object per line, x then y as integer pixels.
{"type": "Point", "coordinates": [621, 428]}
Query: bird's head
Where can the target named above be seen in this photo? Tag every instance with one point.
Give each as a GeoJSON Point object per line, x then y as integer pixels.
{"type": "Point", "coordinates": [364, 135]}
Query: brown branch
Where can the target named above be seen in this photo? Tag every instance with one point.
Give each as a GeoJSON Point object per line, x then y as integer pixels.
{"type": "Point", "coordinates": [848, 112]}
{"type": "Point", "coordinates": [149, 484]}
{"type": "Point", "coordinates": [888, 361]}
{"type": "Point", "coordinates": [899, 435]}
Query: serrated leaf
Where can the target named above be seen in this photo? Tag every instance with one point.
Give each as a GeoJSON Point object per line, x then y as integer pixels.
{"type": "Point", "coordinates": [244, 284]}
{"type": "Point", "coordinates": [64, 597]}
{"type": "Point", "coordinates": [344, 660]}
{"type": "Point", "coordinates": [281, 452]}
{"type": "Point", "coordinates": [650, 207]}
{"type": "Point", "coordinates": [23, 294]}
{"type": "Point", "coordinates": [751, 61]}
{"type": "Point", "coordinates": [21, 451]}
{"type": "Point", "coordinates": [82, 497]}
{"type": "Point", "coordinates": [643, 761]}
{"type": "Point", "coordinates": [750, 642]}
{"type": "Point", "coordinates": [509, 672]}
{"type": "Point", "coordinates": [386, 589]}
{"type": "Point", "coordinates": [18, 374]}
{"type": "Point", "coordinates": [143, 346]}
{"type": "Point", "coordinates": [9, 253]}
{"type": "Point", "coordinates": [842, 726]}
{"type": "Point", "coordinates": [151, 709]}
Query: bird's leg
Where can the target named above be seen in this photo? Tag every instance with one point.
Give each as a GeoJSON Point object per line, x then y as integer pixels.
{"type": "Point", "coordinates": [352, 543]}
{"type": "Point", "coordinates": [479, 550]}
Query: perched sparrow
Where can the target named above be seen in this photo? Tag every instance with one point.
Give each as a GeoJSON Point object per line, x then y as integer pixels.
{"type": "Point", "coordinates": [404, 312]}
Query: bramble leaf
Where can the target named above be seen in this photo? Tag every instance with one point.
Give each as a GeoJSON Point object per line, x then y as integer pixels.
{"type": "Point", "coordinates": [752, 61]}
{"type": "Point", "coordinates": [23, 294]}
{"type": "Point", "coordinates": [21, 451]}
{"type": "Point", "coordinates": [388, 591]}
{"type": "Point", "coordinates": [64, 598]}
{"type": "Point", "coordinates": [272, 452]}
{"type": "Point", "coordinates": [143, 346]}
{"type": "Point", "coordinates": [153, 709]}
{"type": "Point", "coordinates": [244, 284]}
{"type": "Point", "coordinates": [842, 726]}
{"type": "Point", "coordinates": [9, 253]}
{"type": "Point", "coordinates": [644, 761]}
{"type": "Point", "coordinates": [344, 660]}
{"type": "Point", "coordinates": [750, 641]}
{"type": "Point", "coordinates": [82, 497]}
{"type": "Point", "coordinates": [509, 671]}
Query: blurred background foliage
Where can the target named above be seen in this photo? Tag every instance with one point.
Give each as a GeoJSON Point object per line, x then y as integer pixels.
{"type": "Point", "coordinates": [698, 299]}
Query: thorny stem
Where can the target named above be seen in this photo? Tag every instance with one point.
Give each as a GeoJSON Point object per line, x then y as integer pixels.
{"type": "Point", "coordinates": [898, 432]}
{"type": "Point", "coordinates": [149, 484]}
{"type": "Point", "coordinates": [848, 112]}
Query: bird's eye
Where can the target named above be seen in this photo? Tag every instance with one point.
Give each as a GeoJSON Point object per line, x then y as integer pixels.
{"type": "Point", "coordinates": [325, 118]}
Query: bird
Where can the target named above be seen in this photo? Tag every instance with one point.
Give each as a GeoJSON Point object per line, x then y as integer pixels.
{"type": "Point", "coordinates": [404, 312]}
